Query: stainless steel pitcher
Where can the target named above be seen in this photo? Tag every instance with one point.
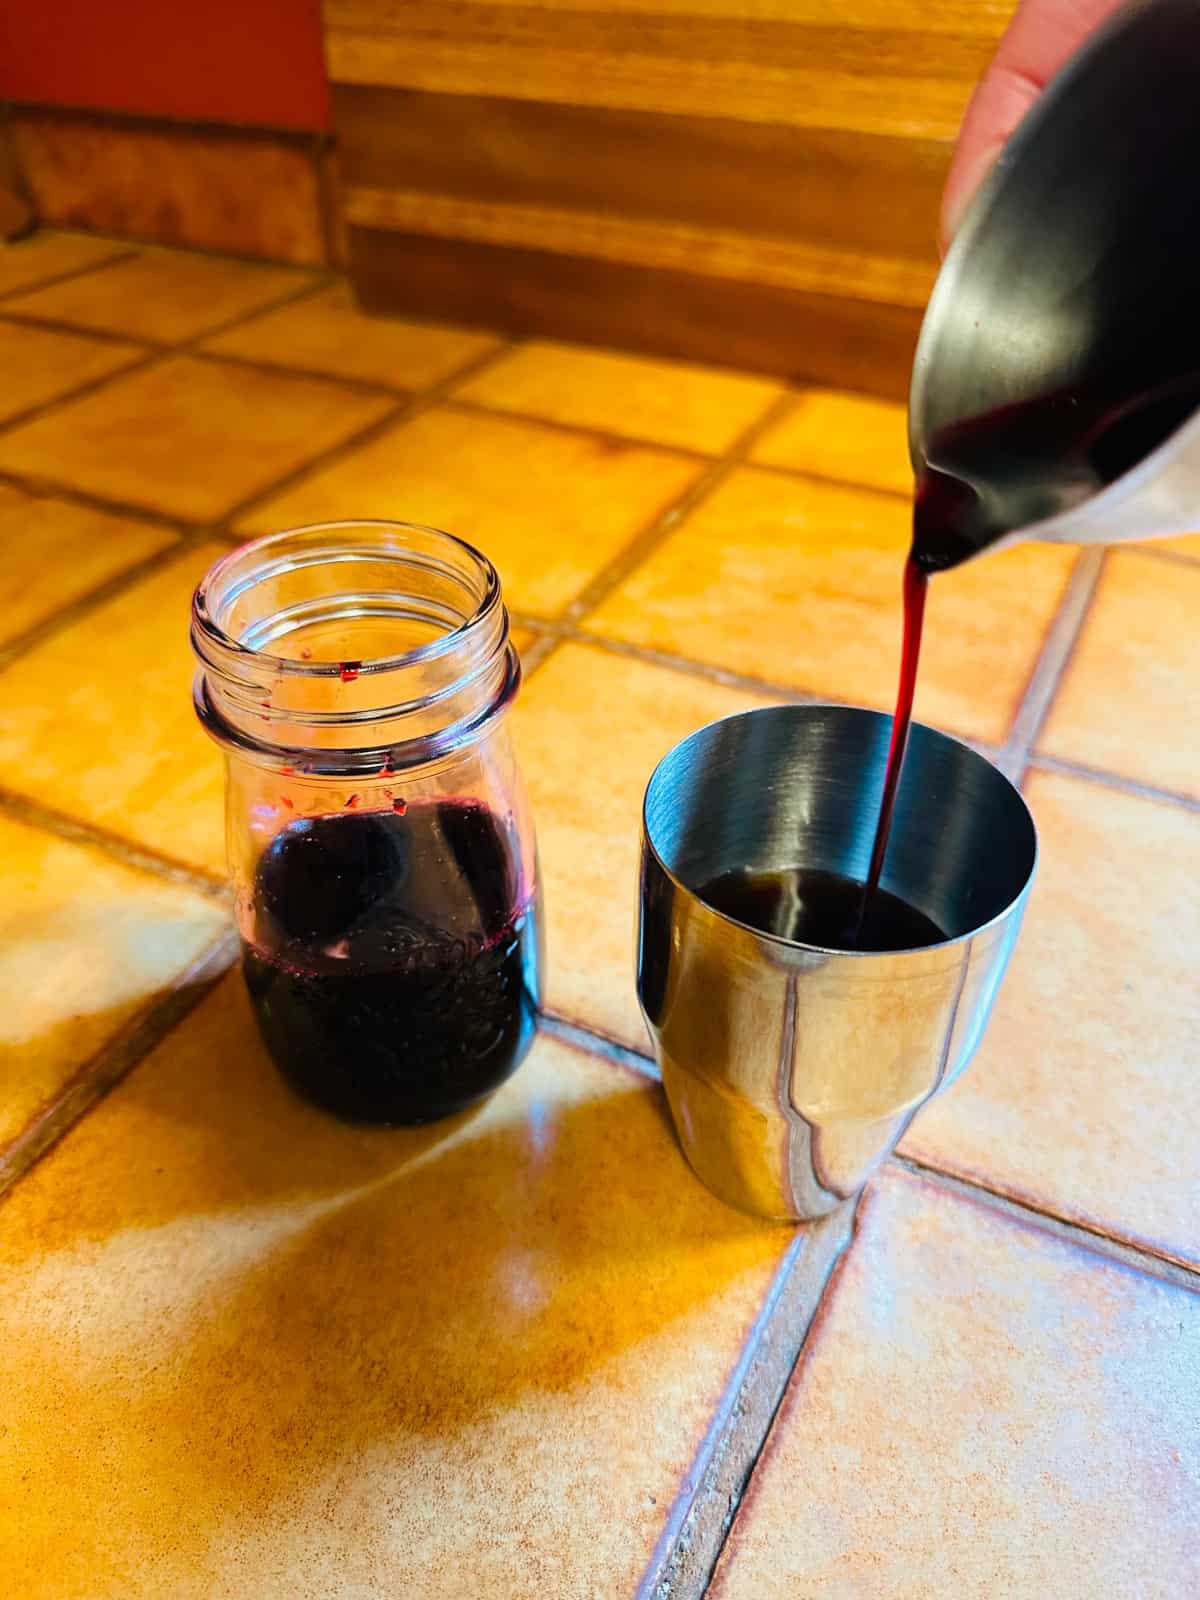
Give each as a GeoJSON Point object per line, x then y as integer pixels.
{"type": "Point", "coordinates": [792, 1070]}
{"type": "Point", "coordinates": [1074, 276]}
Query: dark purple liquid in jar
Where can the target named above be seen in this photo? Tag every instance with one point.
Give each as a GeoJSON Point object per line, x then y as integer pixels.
{"type": "Point", "coordinates": [392, 965]}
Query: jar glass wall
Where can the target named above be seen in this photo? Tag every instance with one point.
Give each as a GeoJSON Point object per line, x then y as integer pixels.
{"type": "Point", "coordinates": [356, 676]}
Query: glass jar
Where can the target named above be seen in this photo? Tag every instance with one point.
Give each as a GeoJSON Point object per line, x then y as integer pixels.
{"type": "Point", "coordinates": [356, 677]}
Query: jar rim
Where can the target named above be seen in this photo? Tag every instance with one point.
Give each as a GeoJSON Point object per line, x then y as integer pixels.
{"type": "Point", "coordinates": [207, 631]}
{"type": "Point", "coordinates": [413, 705]}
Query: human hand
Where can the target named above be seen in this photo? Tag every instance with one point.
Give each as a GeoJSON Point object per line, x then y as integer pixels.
{"type": "Point", "coordinates": [1040, 38]}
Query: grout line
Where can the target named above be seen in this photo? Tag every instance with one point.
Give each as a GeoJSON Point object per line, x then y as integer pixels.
{"type": "Point", "coordinates": [579, 430]}
{"type": "Point", "coordinates": [152, 354]}
{"type": "Point", "coordinates": [316, 279]}
{"type": "Point", "coordinates": [1178, 558]}
{"type": "Point", "coordinates": [278, 369]}
{"type": "Point", "coordinates": [140, 362]}
{"type": "Point", "coordinates": [660, 527]}
{"type": "Point", "coordinates": [129, 341]}
{"type": "Point", "coordinates": [698, 1523]}
{"type": "Point", "coordinates": [538, 653]}
{"type": "Point", "coordinates": [1084, 1235]}
{"type": "Point", "coordinates": [830, 481]}
{"type": "Point", "coordinates": [695, 669]}
{"type": "Point", "coordinates": [598, 1044]}
{"type": "Point", "coordinates": [327, 276]}
{"type": "Point", "coordinates": [194, 346]}
{"type": "Point", "coordinates": [403, 411]}
{"type": "Point", "coordinates": [55, 278]}
{"type": "Point", "coordinates": [104, 1069]}
{"type": "Point", "coordinates": [527, 620]}
{"type": "Point", "coordinates": [49, 820]}
{"type": "Point", "coordinates": [656, 532]}
{"type": "Point", "coordinates": [45, 489]}
{"type": "Point", "coordinates": [224, 528]}
{"type": "Point", "coordinates": [656, 1580]}
{"type": "Point", "coordinates": [92, 599]}
{"type": "Point", "coordinates": [1053, 660]}
{"type": "Point", "coordinates": [1113, 780]}
{"type": "Point", "coordinates": [195, 531]}
{"type": "Point", "coordinates": [687, 666]}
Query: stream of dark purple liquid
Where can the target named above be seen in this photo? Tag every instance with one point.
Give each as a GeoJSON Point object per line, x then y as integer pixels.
{"type": "Point", "coordinates": [916, 584]}
{"type": "Point", "coordinates": [1010, 468]}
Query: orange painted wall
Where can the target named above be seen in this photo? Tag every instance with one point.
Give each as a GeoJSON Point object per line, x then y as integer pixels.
{"type": "Point", "coordinates": [252, 62]}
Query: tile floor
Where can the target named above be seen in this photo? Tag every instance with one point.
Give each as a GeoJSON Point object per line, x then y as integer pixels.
{"type": "Point", "coordinates": [250, 1351]}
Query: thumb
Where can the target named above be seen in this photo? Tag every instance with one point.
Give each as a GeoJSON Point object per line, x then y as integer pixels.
{"type": "Point", "coordinates": [1042, 36]}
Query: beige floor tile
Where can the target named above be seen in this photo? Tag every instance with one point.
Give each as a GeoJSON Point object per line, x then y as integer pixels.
{"type": "Point", "coordinates": [47, 254]}
{"type": "Point", "coordinates": [191, 438]}
{"type": "Point", "coordinates": [843, 436]}
{"type": "Point", "coordinates": [591, 728]}
{"type": "Point", "coordinates": [1129, 701]}
{"type": "Point", "coordinates": [327, 333]}
{"type": "Point", "coordinates": [667, 402]}
{"type": "Point", "coordinates": [799, 583]}
{"type": "Point", "coordinates": [39, 364]}
{"type": "Point", "coordinates": [306, 1358]}
{"type": "Point", "coordinates": [1187, 545]}
{"type": "Point", "coordinates": [983, 1410]}
{"type": "Point", "coordinates": [84, 945]}
{"type": "Point", "coordinates": [549, 509]}
{"type": "Point", "coordinates": [1085, 1096]}
{"type": "Point", "coordinates": [161, 295]}
{"type": "Point", "coordinates": [54, 552]}
{"type": "Point", "coordinates": [98, 722]}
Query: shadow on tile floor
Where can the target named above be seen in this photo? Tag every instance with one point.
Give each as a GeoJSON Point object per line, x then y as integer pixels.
{"type": "Point", "coordinates": [333, 1286]}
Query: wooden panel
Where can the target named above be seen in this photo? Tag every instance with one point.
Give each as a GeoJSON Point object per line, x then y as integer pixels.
{"type": "Point", "coordinates": [732, 256]}
{"type": "Point", "coordinates": [857, 192]}
{"type": "Point", "coordinates": [739, 180]}
{"type": "Point", "coordinates": [804, 65]}
{"type": "Point", "coordinates": [238, 189]}
{"type": "Point", "coordinates": [816, 338]}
